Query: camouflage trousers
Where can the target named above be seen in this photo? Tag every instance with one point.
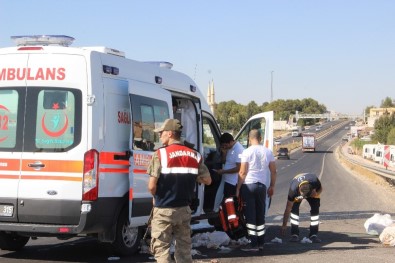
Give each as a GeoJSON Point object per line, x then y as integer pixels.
{"type": "Point", "coordinates": [169, 223]}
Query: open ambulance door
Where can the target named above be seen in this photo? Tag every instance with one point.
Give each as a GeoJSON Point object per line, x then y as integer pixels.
{"type": "Point", "coordinates": [213, 194]}
{"type": "Point", "coordinates": [150, 106]}
{"type": "Point", "coordinates": [211, 153]}
{"type": "Point", "coordinates": [264, 123]}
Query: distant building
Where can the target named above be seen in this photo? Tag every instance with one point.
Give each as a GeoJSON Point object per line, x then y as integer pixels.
{"type": "Point", "coordinates": [376, 113]}
{"type": "Point", "coordinates": [281, 126]}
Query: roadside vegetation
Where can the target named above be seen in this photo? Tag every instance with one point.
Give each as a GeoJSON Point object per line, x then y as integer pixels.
{"type": "Point", "coordinates": [231, 115]}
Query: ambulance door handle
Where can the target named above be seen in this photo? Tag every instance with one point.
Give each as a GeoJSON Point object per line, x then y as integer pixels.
{"type": "Point", "coordinates": [125, 156]}
{"type": "Point", "coordinates": [36, 165]}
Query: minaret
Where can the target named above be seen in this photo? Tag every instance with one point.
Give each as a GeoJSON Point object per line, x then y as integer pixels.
{"type": "Point", "coordinates": [211, 96]}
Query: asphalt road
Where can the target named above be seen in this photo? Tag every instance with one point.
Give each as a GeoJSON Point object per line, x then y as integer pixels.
{"type": "Point", "coordinates": [348, 200]}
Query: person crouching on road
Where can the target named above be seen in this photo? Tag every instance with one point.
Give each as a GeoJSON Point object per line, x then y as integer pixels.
{"type": "Point", "coordinates": [174, 170]}
{"type": "Point", "coordinates": [257, 162]}
{"type": "Point", "coordinates": [303, 186]}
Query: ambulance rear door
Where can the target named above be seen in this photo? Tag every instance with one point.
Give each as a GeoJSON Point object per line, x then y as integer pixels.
{"type": "Point", "coordinates": [12, 101]}
{"type": "Point", "coordinates": [42, 142]}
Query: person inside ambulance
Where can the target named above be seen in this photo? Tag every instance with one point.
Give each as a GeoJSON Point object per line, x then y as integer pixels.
{"type": "Point", "coordinates": [177, 115]}
{"type": "Point", "coordinates": [176, 111]}
{"type": "Point", "coordinates": [147, 145]}
{"type": "Point", "coordinates": [137, 135]}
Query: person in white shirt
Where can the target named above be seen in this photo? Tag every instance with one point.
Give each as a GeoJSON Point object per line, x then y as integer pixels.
{"type": "Point", "coordinates": [256, 160]}
{"type": "Point", "coordinates": [231, 151]}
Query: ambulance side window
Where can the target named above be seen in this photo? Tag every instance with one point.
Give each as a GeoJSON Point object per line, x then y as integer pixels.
{"type": "Point", "coordinates": [208, 137]}
{"type": "Point", "coordinates": [8, 118]}
{"type": "Point", "coordinates": [147, 114]}
{"type": "Point", "coordinates": [148, 125]}
{"type": "Point", "coordinates": [258, 124]}
{"type": "Point", "coordinates": [56, 122]}
{"type": "Point", "coordinates": [211, 145]}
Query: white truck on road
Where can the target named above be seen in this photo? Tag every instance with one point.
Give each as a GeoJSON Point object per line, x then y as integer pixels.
{"type": "Point", "coordinates": [296, 131]}
{"type": "Point", "coordinates": [308, 142]}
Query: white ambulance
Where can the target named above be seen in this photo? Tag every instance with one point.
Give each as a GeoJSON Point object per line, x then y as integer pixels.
{"type": "Point", "coordinates": [76, 136]}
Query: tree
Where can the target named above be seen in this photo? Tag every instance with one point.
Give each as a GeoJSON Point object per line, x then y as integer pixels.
{"type": "Point", "coordinates": [391, 137]}
{"type": "Point", "coordinates": [382, 127]}
{"type": "Point", "coordinates": [312, 106]}
{"type": "Point", "coordinates": [387, 103]}
{"type": "Point", "coordinates": [252, 109]}
{"type": "Point", "coordinates": [231, 116]}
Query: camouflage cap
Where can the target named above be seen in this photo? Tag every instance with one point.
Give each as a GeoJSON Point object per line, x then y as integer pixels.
{"type": "Point", "coordinates": [170, 125]}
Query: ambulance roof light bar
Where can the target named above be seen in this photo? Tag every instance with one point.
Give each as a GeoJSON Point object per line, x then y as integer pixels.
{"type": "Point", "coordinates": [43, 40]}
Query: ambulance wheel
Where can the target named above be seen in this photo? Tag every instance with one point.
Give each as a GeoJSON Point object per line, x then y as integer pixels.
{"type": "Point", "coordinates": [12, 242]}
{"type": "Point", "coordinates": [128, 238]}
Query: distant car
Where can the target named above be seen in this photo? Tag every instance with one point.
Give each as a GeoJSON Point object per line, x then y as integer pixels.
{"type": "Point", "coordinates": [283, 153]}
{"type": "Point", "coordinates": [318, 128]}
{"type": "Point", "coordinates": [345, 139]}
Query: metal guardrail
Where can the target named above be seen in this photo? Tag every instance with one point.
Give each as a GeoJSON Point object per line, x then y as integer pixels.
{"type": "Point", "coordinates": [388, 174]}
{"type": "Point", "coordinates": [327, 116]}
{"type": "Point", "coordinates": [327, 131]}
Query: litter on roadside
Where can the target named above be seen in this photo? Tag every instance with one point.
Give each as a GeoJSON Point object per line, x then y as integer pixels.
{"type": "Point", "coordinates": [376, 224]}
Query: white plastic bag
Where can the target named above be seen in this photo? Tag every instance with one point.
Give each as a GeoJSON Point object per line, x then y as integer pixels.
{"type": "Point", "coordinates": [387, 237]}
{"type": "Point", "coordinates": [376, 224]}
{"type": "Point", "coordinates": [214, 239]}
{"type": "Point", "coordinates": [217, 239]}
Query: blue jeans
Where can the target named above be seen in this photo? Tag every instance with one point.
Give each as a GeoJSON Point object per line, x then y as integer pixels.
{"type": "Point", "coordinates": [254, 203]}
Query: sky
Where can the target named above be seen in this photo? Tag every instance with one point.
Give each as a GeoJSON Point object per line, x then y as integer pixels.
{"type": "Point", "coordinates": [340, 53]}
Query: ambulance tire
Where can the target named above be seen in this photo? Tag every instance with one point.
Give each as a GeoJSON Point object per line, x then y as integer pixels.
{"type": "Point", "coordinates": [127, 241]}
{"type": "Point", "coordinates": [12, 242]}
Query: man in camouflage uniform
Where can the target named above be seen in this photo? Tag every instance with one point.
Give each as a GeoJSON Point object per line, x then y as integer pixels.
{"type": "Point", "coordinates": [174, 170]}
